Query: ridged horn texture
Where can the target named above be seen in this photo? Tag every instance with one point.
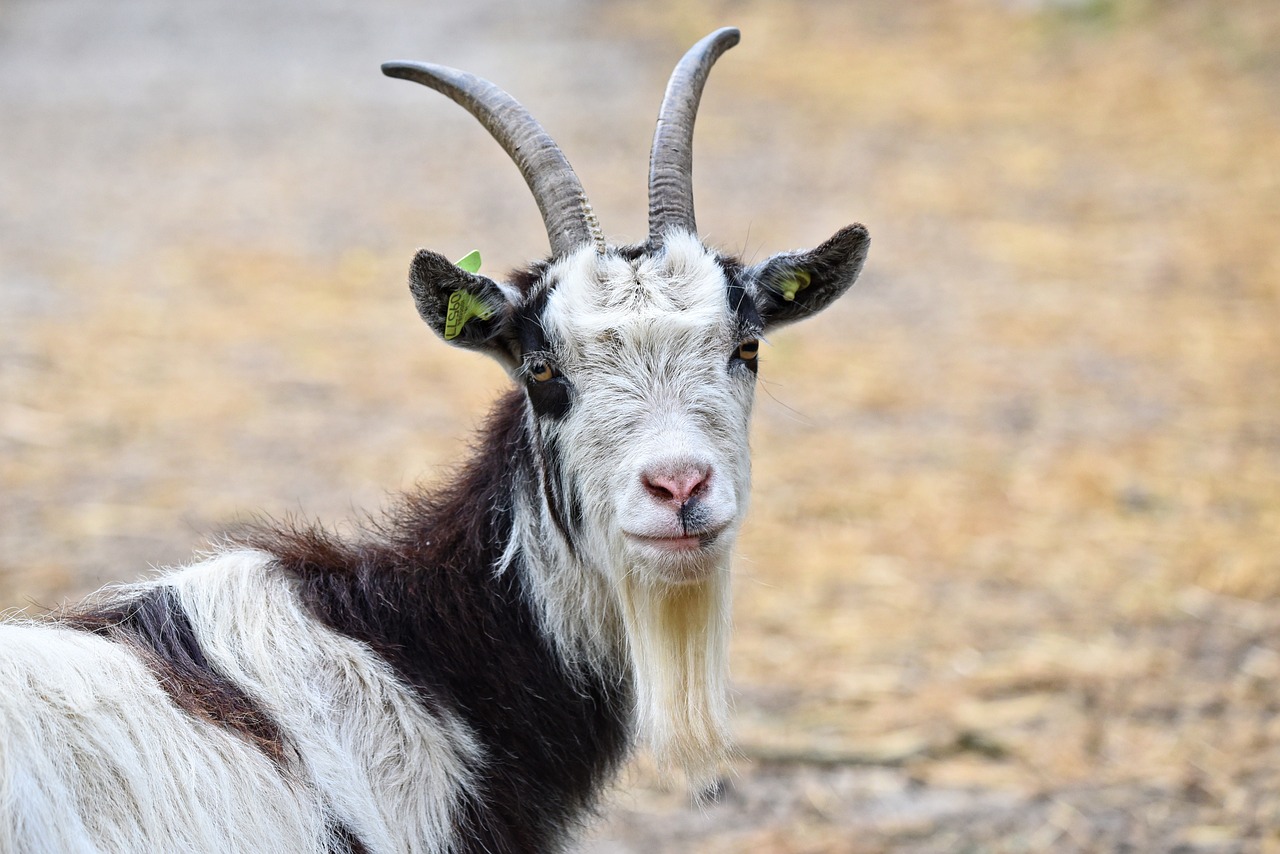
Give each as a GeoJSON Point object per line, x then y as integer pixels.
{"type": "Point", "coordinates": [565, 210]}
{"type": "Point", "coordinates": [671, 158]}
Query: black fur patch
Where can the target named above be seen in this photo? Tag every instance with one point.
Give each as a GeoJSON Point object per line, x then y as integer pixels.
{"type": "Point", "coordinates": [740, 302]}
{"type": "Point", "coordinates": [342, 840]}
{"type": "Point", "coordinates": [562, 499]}
{"type": "Point", "coordinates": [156, 625]}
{"type": "Point", "coordinates": [550, 399]}
{"type": "Point", "coordinates": [634, 252]}
{"type": "Point", "coordinates": [750, 324]}
{"type": "Point", "coordinates": [422, 591]}
{"type": "Point", "coordinates": [528, 323]}
{"type": "Point", "coordinates": [528, 278]}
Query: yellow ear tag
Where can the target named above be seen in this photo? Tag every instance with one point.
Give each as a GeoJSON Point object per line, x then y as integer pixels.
{"type": "Point", "coordinates": [799, 281]}
{"type": "Point", "coordinates": [462, 307]}
{"type": "Point", "coordinates": [469, 262]}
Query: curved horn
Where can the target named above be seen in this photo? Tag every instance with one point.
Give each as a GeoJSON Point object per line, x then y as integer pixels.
{"type": "Point", "coordinates": [671, 159]}
{"type": "Point", "coordinates": [565, 210]}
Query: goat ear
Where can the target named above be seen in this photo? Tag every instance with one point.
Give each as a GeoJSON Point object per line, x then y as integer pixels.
{"type": "Point", "coordinates": [465, 309]}
{"type": "Point", "coordinates": [791, 286]}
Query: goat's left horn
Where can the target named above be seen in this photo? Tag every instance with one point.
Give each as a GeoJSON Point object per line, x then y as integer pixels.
{"type": "Point", "coordinates": [555, 186]}
{"type": "Point", "coordinates": [671, 158]}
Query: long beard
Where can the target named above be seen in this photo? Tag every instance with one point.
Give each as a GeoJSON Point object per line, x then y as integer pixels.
{"type": "Point", "coordinates": [678, 637]}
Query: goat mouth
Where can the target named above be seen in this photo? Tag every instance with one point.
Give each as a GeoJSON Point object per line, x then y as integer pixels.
{"type": "Point", "coordinates": [669, 544]}
{"type": "Point", "coordinates": [679, 544]}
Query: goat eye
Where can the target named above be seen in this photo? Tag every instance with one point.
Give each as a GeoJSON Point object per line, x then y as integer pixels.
{"type": "Point", "coordinates": [540, 371]}
{"type": "Point", "coordinates": [748, 350]}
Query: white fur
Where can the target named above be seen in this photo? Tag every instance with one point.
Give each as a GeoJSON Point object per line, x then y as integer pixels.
{"type": "Point", "coordinates": [391, 770]}
{"type": "Point", "coordinates": [94, 756]}
{"type": "Point", "coordinates": [647, 348]}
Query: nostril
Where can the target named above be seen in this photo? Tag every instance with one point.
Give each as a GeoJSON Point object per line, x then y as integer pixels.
{"type": "Point", "coordinates": [676, 486]}
{"type": "Point", "coordinates": [656, 489]}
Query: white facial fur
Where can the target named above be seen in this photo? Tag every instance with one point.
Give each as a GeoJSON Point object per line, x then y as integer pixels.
{"type": "Point", "coordinates": [658, 406]}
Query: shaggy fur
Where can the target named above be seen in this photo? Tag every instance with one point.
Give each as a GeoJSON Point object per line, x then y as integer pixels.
{"type": "Point", "coordinates": [425, 595]}
{"type": "Point", "coordinates": [96, 755]}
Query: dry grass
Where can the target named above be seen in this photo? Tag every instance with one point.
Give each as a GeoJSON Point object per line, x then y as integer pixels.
{"type": "Point", "coordinates": [1011, 576]}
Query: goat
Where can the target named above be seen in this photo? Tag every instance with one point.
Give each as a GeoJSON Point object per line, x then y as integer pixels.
{"type": "Point", "coordinates": [468, 674]}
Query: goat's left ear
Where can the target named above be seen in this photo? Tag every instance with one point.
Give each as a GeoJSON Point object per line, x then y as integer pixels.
{"type": "Point", "coordinates": [464, 308]}
{"type": "Point", "coordinates": [791, 286]}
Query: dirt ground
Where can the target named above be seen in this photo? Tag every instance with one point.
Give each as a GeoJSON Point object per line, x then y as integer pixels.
{"type": "Point", "coordinates": [1011, 577]}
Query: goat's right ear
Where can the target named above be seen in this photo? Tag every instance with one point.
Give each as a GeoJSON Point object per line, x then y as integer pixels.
{"type": "Point", "coordinates": [465, 309]}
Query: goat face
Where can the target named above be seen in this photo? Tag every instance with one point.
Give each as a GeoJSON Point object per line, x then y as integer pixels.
{"type": "Point", "coordinates": [639, 365]}
{"type": "Point", "coordinates": [653, 430]}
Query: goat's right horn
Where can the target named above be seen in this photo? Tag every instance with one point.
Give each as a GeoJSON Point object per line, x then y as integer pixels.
{"type": "Point", "coordinates": [671, 158]}
{"type": "Point", "coordinates": [565, 210]}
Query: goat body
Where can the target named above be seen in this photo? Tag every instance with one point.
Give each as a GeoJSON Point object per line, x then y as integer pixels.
{"type": "Point", "coordinates": [467, 675]}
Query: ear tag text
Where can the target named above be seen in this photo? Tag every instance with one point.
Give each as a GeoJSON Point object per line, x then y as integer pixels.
{"type": "Point", "coordinates": [798, 281]}
{"type": "Point", "coordinates": [463, 306]}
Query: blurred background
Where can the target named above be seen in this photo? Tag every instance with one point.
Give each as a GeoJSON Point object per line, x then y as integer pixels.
{"type": "Point", "coordinates": [1010, 579]}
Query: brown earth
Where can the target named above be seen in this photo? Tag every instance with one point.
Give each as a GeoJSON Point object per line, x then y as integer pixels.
{"type": "Point", "coordinates": [1010, 579]}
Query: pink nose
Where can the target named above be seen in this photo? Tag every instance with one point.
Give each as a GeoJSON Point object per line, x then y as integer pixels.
{"type": "Point", "coordinates": [676, 486]}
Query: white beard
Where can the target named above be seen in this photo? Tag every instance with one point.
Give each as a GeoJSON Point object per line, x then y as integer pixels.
{"type": "Point", "coordinates": [673, 637]}
{"type": "Point", "coordinates": [678, 637]}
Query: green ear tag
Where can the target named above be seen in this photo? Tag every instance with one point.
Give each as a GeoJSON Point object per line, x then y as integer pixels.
{"type": "Point", "coordinates": [799, 281]}
{"type": "Point", "coordinates": [462, 307]}
{"type": "Point", "coordinates": [469, 262]}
